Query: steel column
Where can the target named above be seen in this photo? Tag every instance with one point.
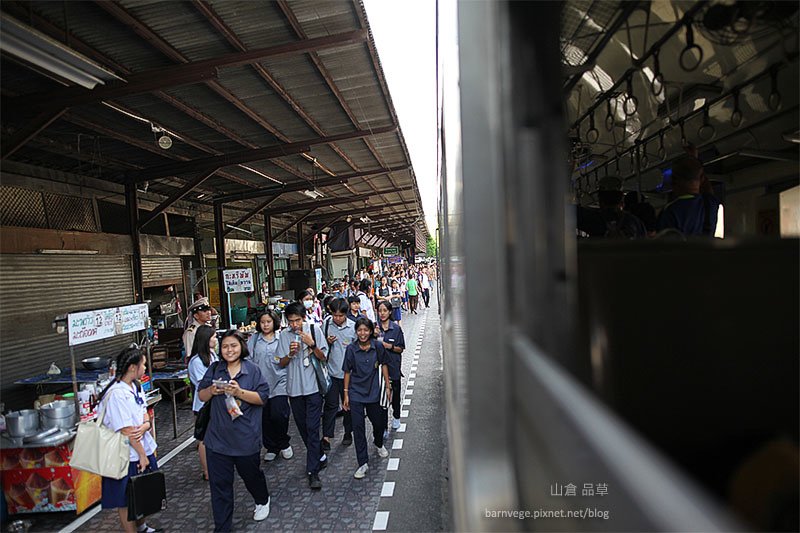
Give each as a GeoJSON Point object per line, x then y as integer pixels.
{"type": "Point", "coordinates": [301, 251]}
{"type": "Point", "coordinates": [268, 249]}
{"type": "Point", "coordinates": [132, 204]}
{"type": "Point", "coordinates": [219, 240]}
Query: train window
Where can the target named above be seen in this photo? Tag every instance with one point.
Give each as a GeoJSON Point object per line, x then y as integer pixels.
{"type": "Point", "coordinates": [790, 212]}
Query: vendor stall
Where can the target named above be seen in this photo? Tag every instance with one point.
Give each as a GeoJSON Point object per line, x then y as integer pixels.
{"type": "Point", "coordinates": [36, 448]}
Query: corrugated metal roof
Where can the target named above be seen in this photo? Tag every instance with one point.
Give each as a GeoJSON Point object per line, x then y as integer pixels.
{"type": "Point", "coordinates": [203, 112]}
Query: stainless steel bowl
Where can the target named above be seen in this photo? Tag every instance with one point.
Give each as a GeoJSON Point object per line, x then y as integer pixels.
{"type": "Point", "coordinates": [58, 414]}
{"type": "Point", "coordinates": [22, 423]}
{"type": "Point", "coordinates": [95, 363]}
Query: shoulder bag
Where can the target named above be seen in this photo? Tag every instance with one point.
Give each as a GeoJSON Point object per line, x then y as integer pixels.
{"type": "Point", "coordinates": [320, 368]}
{"type": "Point", "coordinates": [204, 415]}
{"type": "Point", "coordinates": [100, 450]}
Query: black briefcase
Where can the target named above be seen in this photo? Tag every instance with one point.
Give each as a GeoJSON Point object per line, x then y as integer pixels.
{"type": "Point", "coordinates": [147, 494]}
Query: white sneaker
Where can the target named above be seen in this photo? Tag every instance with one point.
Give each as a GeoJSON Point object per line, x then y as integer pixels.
{"type": "Point", "coordinates": [261, 512]}
{"type": "Point", "coordinates": [362, 471]}
{"type": "Point", "coordinates": [395, 423]}
{"type": "Point", "coordinates": [287, 453]}
{"type": "Point", "coordinates": [270, 456]}
{"type": "Point", "coordinates": [383, 452]}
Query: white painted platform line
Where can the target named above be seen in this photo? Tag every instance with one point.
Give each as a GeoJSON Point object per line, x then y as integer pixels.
{"type": "Point", "coordinates": [388, 489]}
{"type": "Point", "coordinates": [407, 401]}
{"type": "Point", "coordinates": [394, 464]}
{"type": "Point", "coordinates": [413, 368]}
{"type": "Point", "coordinates": [409, 392]}
{"type": "Point", "coordinates": [397, 444]}
{"type": "Point", "coordinates": [381, 521]}
{"type": "Point", "coordinates": [402, 428]}
{"type": "Point", "coordinates": [404, 413]}
{"type": "Point", "coordinates": [409, 383]}
{"type": "Point", "coordinates": [72, 526]}
{"type": "Point", "coordinates": [413, 375]}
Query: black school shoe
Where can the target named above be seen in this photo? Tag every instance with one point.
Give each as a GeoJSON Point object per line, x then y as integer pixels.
{"type": "Point", "coordinates": [323, 464]}
{"type": "Point", "coordinates": [347, 440]}
{"type": "Point", "coordinates": [313, 482]}
{"type": "Point", "coordinates": [326, 445]}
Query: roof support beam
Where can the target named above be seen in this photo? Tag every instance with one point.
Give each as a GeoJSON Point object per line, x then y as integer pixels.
{"type": "Point", "coordinates": [245, 156]}
{"type": "Point", "coordinates": [174, 197]}
{"type": "Point", "coordinates": [327, 202]}
{"type": "Point", "coordinates": [293, 187]}
{"type": "Point", "coordinates": [29, 131]}
{"type": "Point", "coordinates": [187, 73]}
{"type": "Point", "coordinates": [368, 209]}
{"type": "Point", "coordinates": [290, 226]}
{"type": "Point", "coordinates": [253, 212]}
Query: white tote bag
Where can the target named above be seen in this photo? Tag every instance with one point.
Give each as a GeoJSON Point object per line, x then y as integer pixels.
{"type": "Point", "coordinates": [100, 450]}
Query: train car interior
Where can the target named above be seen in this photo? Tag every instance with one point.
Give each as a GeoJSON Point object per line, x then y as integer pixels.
{"type": "Point", "coordinates": [665, 365]}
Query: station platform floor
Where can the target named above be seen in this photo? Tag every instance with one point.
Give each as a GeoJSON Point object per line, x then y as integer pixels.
{"type": "Point", "coordinates": [408, 491]}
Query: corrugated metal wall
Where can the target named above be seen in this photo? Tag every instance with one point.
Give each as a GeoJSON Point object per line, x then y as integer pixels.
{"type": "Point", "coordinates": [34, 289]}
{"type": "Point", "coordinates": [157, 271]}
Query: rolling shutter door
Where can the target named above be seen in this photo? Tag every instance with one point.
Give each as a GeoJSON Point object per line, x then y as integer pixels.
{"type": "Point", "coordinates": [158, 271]}
{"type": "Point", "coordinates": [34, 289]}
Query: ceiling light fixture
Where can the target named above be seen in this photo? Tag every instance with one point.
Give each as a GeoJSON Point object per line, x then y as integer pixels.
{"type": "Point", "coordinates": [24, 42]}
{"type": "Point", "coordinates": [313, 193]}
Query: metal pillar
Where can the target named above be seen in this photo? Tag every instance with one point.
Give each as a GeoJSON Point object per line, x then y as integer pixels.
{"type": "Point", "coordinates": [219, 240]}
{"type": "Point", "coordinates": [268, 250]}
{"type": "Point", "coordinates": [301, 246]}
{"type": "Point", "coordinates": [132, 203]}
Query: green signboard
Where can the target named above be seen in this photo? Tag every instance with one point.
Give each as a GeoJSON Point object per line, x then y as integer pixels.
{"type": "Point", "coordinates": [392, 250]}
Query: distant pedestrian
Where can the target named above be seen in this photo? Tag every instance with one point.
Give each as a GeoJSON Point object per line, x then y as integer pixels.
{"type": "Point", "coordinates": [413, 294]}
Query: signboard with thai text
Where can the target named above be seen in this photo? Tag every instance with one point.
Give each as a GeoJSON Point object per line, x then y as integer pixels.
{"type": "Point", "coordinates": [238, 280]}
{"type": "Point", "coordinates": [100, 324]}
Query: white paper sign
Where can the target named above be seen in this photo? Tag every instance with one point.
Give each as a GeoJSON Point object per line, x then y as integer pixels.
{"type": "Point", "coordinates": [100, 324]}
{"type": "Point", "coordinates": [238, 280]}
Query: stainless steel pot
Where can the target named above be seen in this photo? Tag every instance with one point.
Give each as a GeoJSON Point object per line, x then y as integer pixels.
{"type": "Point", "coordinates": [58, 414]}
{"type": "Point", "coordinates": [22, 423]}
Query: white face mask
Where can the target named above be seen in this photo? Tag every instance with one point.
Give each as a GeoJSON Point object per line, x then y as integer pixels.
{"type": "Point", "coordinates": [308, 304]}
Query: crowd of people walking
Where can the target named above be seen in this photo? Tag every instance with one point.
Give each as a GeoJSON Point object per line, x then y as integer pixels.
{"type": "Point", "coordinates": [335, 354]}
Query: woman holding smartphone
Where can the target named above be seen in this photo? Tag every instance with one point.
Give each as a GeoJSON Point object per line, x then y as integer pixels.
{"type": "Point", "coordinates": [234, 441]}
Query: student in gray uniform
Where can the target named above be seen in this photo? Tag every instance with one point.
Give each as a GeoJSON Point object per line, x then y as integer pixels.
{"type": "Point", "coordinates": [275, 415]}
{"type": "Point", "coordinates": [340, 332]}
{"type": "Point", "coordinates": [296, 347]}
{"type": "Point", "coordinates": [363, 360]}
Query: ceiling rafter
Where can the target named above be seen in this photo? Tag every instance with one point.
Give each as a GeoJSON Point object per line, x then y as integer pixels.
{"type": "Point", "coordinates": [269, 152]}
{"type": "Point", "coordinates": [323, 71]}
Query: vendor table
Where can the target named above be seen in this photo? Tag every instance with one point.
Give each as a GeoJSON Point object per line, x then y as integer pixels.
{"type": "Point", "coordinates": [172, 380]}
{"type": "Point", "coordinates": [37, 478]}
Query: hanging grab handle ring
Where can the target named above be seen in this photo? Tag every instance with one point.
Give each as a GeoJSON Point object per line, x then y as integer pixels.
{"type": "Point", "coordinates": [657, 84]}
{"type": "Point", "coordinates": [662, 152]}
{"type": "Point", "coordinates": [592, 135]}
{"type": "Point", "coordinates": [707, 131]}
{"type": "Point", "coordinates": [630, 104]}
{"type": "Point", "coordinates": [774, 96]}
{"type": "Point", "coordinates": [736, 115]}
{"type": "Point", "coordinates": [686, 58]}
{"type": "Point", "coordinates": [609, 116]}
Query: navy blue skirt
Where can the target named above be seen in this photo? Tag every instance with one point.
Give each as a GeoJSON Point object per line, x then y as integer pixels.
{"type": "Point", "coordinates": [113, 493]}
{"type": "Point", "coordinates": [397, 314]}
